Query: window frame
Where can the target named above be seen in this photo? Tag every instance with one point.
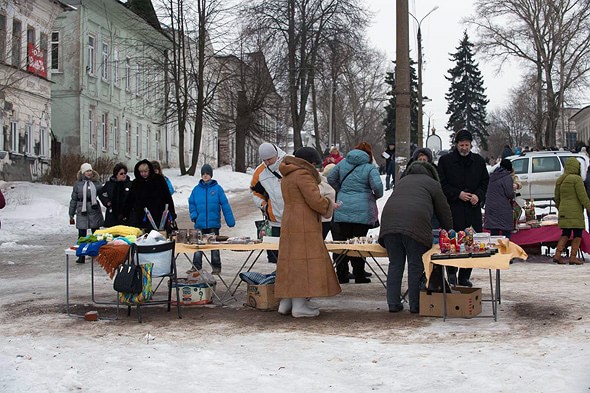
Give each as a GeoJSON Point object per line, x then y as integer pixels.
{"type": "Point", "coordinates": [14, 136]}
{"type": "Point", "coordinates": [91, 55]}
{"type": "Point", "coordinates": [104, 122]}
{"type": "Point", "coordinates": [105, 62]}
{"type": "Point", "coordinates": [128, 137]}
{"type": "Point", "coordinates": [116, 80]}
{"type": "Point", "coordinates": [56, 51]}
{"type": "Point", "coordinates": [116, 138]}
{"type": "Point", "coordinates": [43, 142]}
{"type": "Point", "coordinates": [3, 36]}
{"type": "Point", "coordinates": [30, 142]}
{"type": "Point", "coordinates": [16, 47]}
{"type": "Point", "coordinates": [90, 127]}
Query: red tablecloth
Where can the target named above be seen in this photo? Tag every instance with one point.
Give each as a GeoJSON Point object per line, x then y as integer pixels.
{"type": "Point", "coordinates": [545, 234]}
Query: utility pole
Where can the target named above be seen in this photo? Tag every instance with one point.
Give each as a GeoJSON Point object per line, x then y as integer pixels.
{"type": "Point", "coordinates": [420, 113]}
{"type": "Point", "coordinates": [402, 88]}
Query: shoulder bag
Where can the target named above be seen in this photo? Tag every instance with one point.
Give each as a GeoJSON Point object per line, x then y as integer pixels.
{"type": "Point", "coordinates": [129, 278]}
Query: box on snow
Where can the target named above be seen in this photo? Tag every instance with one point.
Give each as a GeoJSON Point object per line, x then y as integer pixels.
{"type": "Point", "coordinates": [262, 297]}
{"type": "Point", "coordinates": [463, 303]}
{"type": "Point", "coordinates": [193, 294]}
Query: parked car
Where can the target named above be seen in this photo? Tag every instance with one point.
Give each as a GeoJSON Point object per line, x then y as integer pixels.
{"type": "Point", "coordinates": [538, 171]}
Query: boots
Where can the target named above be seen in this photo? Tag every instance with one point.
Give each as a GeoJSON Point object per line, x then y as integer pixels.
{"type": "Point", "coordinates": [559, 249]}
{"type": "Point", "coordinates": [574, 255]}
{"type": "Point", "coordinates": [285, 306]}
{"type": "Point", "coordinates": [301, 309]}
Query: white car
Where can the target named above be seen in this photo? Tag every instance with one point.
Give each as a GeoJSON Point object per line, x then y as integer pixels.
{"type": "Point", "coordinates": [538, 171]}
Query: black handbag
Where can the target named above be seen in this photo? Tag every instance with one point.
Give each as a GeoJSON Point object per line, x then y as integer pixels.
{"type": "Point", "coordinates": [128, 278]}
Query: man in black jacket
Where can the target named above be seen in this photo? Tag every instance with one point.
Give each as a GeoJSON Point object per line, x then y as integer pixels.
{"type": "Point", "coordinates": [464, 179]}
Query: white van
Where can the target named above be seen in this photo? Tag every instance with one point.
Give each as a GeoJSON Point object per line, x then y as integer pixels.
{"type": "Point", "coordinates": [538, 171]}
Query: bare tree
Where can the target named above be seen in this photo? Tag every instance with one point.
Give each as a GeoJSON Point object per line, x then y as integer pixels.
{"type": "Point", "coordinates": [552, 36]}
{"type": "Point", "coordinates": [298, 29]}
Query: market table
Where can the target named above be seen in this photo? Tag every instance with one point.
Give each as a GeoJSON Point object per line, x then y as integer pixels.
{"type": "Point", "coordinates": [546, 235]}
{"type": "Point", "coordinates": [70, 252]}
{"type": "Point", "coordinates": [255, 250]}
{"type": "Point", "coordinates": [497, 262]}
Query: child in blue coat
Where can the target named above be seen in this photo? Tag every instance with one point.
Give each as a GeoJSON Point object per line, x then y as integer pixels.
{"type": "Point", "coordinates": [205, 205]}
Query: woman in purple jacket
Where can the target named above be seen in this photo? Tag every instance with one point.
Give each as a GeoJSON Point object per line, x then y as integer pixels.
{"type": "Point", "coordinates": [499, 197]}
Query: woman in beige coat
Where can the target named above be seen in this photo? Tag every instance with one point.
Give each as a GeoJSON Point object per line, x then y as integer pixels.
{"type": "Point", "coordinates": [304, 268]}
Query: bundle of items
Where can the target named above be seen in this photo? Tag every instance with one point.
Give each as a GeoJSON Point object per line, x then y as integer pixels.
{"type": "Point", "coordinates": [463, 244]}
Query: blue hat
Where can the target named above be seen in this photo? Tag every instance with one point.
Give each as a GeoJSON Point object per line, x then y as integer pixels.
{"type": "Point", "coordinates": [207, 169]}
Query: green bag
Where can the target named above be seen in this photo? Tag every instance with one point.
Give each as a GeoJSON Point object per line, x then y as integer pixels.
{"type": "Point", "coordinates": [146, 287]}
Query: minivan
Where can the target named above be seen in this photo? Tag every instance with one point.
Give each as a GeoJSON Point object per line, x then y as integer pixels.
{"type": "Point", "coordinates": [538, 171]}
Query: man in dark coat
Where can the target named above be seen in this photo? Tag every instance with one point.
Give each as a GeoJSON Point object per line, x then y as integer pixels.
{"type": "Point", "coordinates": [406, 230]}
{"type": "Point", "coordinates": [464, 179]}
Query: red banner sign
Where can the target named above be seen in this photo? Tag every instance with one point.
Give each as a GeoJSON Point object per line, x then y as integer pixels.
{"type": "Point", "coordinates": [36, 61]}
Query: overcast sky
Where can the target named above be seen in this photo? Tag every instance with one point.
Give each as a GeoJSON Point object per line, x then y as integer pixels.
{"type": "Point", "coordinates": [441, 33]}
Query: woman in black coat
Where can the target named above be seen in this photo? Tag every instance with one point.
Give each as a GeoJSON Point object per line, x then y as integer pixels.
{"type": "Point", "coordinates": [114, 195]}
{"type": "Point", "coordinates": [150, 191]}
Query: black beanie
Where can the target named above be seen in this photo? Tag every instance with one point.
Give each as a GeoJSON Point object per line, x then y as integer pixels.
{"type": "Point", "coordinates": [309, 154]}
{"type": "Point", "coordinates": [207, 169]}
{"type": "Point", "coordinates": [463, 135]}
{"type": "Point", "coordinates": [506, 164]}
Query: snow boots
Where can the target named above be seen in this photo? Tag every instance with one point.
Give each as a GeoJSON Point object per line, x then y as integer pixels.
{"type": "Point", "coordinates": [302, 309]}
{"type": "Point", "coordinates": [559, 249]}
{"type": "Point", "coordinates": [285, 306]}
{"type": "Point", "coordinates": [574, 254]}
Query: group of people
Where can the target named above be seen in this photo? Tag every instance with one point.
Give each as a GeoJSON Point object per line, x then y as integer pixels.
{"type": "Point", "coordinates": [144, 202]}
{"type": "Point", "coordinates": [303, 197]}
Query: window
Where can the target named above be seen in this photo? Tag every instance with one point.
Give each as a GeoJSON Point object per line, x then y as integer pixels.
{"type": "Point", "coordinates": [115, 135]}
{"type": "Point", "coordinates": [30, 40]}
{"type": "Point", "coordinates": [103, 128]}
{"type": "Point", "coordinates": [138, 80]}
{"type": "Point", "coordinates": [128, 74]}
{"type": "Point", "coordinates": [138, 140]}
{"type": "Point", "coordinates": [29, 136]}
{"type": "Point", "coordinates": [128, 137]}
{"type": "Point", "coordinates": [90, 56]}
{"type": "Point", "coordinates": [116, 68]}
{"type": "Point", "coordinates": [90, 128]}
{"type": "Point", "coordinates": [55, 51]}
{"type": "Point", "coordinates": [16, 42]}
{"type": "Point", "coordinates": [43, 47]}
{"type": "Point", "coordinates": [521, 166]}
{"type": "Point", "coordinates": [546, 164]}
{"type": "Point", "coordinates": [105, 62]}
{"type": "Point", "coordinates": [157, 144]}
{"type": "Point", "coordinates": [14, 136]}
{"type": "Point", "coordinates": [2, 38]}
{"type": "Point", "coordinates": [147, 143]}
{"type": "Point", "coordinates": [43, 142]}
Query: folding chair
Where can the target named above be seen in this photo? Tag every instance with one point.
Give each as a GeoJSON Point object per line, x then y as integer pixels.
{"type": "Point", "coordinates": [163, 257]}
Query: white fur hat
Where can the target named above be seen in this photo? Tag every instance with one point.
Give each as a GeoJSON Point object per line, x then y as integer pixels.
{"type": "Point", "coordinates": [85, 167]}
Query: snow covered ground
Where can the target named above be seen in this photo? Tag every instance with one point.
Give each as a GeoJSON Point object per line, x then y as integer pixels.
{"type": "Point", "coordinates": [541, 342]}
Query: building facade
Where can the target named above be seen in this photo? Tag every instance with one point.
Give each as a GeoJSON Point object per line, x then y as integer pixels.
{"type": "Point", "coordinates": [581, 119]}
{"type": "Point", "coordinates": [25, 87]}
{"type": "Point", "coordinates": [108, 95]}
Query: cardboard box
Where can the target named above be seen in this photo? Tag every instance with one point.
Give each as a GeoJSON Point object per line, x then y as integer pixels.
{"type": "Point", "coordinates": [463, 303]}
{"type": "Point", "coordinates": [193, 294]}
{"type": "Point", "coordinates": [262, 297]}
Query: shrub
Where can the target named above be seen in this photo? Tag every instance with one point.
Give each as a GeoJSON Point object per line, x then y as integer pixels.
{"type": "Point", "coordinates": [64, 170]}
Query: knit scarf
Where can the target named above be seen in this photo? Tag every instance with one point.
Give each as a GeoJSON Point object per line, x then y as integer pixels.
{"type": "Point", "coordinates": [88, 184]}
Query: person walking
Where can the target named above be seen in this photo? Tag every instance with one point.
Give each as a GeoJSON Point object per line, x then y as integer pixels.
{"type": "Point", "coordinates": [406, 230]}
{"type": "Point", "coordinates": [205, 205]}
{"type": "Point", "coordinates": [358, 186]}
{"type": "Point", "coordinates": [84, 204]}
{"type": "Point", "coordinates": [149, 191]}
{"type": "Point", "coordinates": [464, 178]}
{"type": "Point", "coordinates": [114, 195]}
{"type": "Point", "coordinates": [304, 268]}
{"type": "Point", "coordinates": [571, 199]}
{"type": "Point", "coordinates": [266, 190]}
{"type": "Point", "coordinates": [499, 210]}
{"type": "Point", "coordinates": [389, 155]}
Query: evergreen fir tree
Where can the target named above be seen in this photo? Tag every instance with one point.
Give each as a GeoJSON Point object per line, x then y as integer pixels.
{"type": "Point", "coordinates": [389, 121]}
{"type": "Point", "coordinates": [466, 97]}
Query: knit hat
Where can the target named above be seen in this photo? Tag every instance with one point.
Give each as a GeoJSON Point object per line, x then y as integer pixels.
{"type": "Point", "coordinates": [207, 169]}
{"type": "Point", "coordinates": [327, 169]}
{"type": "Point", "coordinates": [267, 151]}
{"type": "Point", "coordinates": [85, 167]}
{"type": "Point", "coordinates": [309, 154]}
{"type": "Point", "coordinates": [463, 135]}
{"type": "Point", "coordinates": [506, 164]}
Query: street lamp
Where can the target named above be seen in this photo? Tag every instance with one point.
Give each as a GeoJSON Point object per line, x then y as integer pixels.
{"type": "Point", "coordinates": [419, 38]}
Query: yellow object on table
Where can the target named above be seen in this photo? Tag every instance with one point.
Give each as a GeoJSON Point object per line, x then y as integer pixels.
{"type": "Point", "coordinates": [120, 230]}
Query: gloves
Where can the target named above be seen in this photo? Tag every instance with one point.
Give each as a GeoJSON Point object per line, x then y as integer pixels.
{"type": "Point", "coordinates": [72, 222]}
